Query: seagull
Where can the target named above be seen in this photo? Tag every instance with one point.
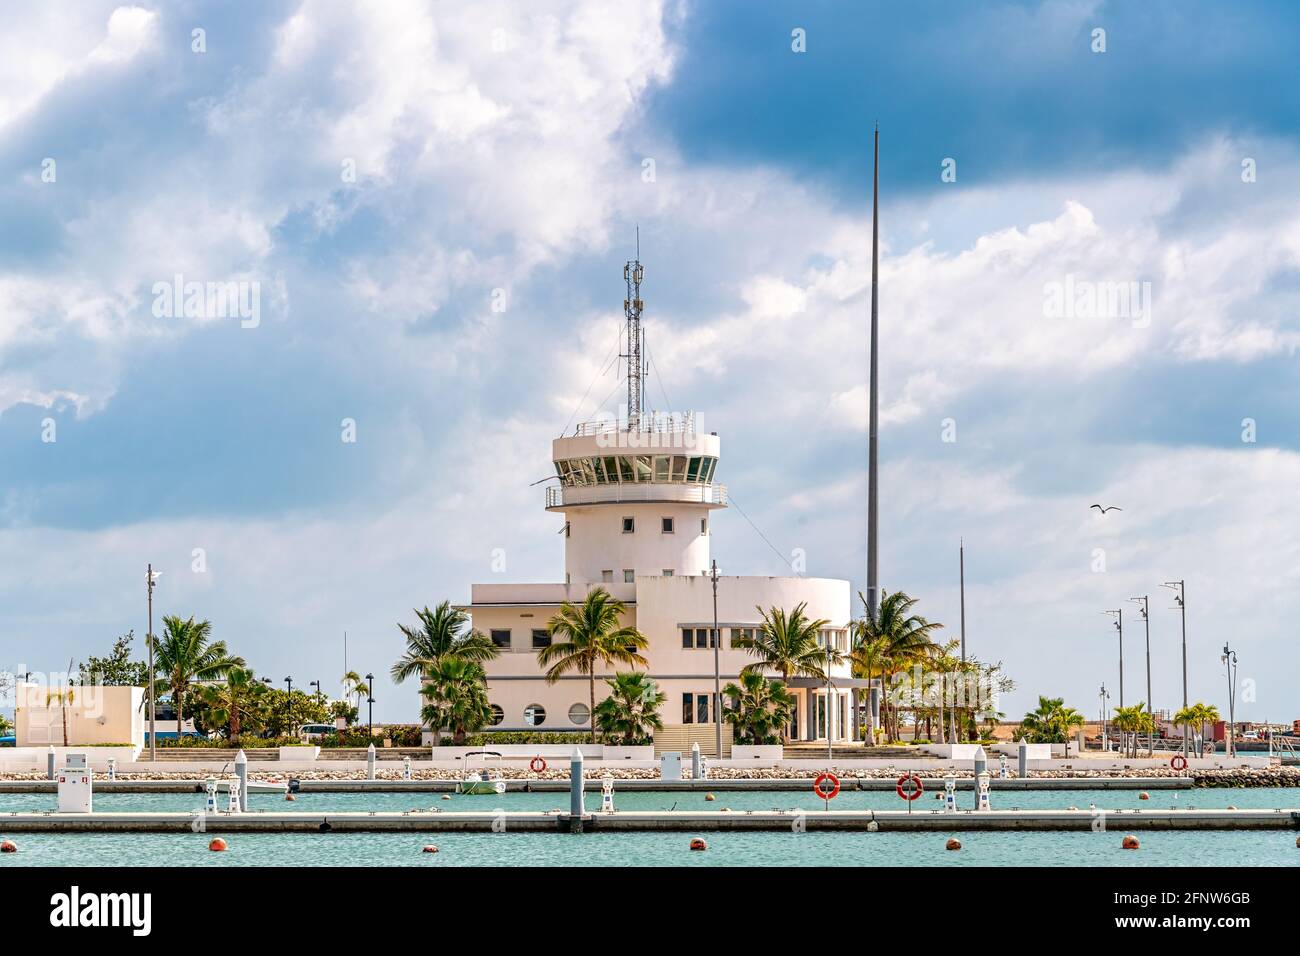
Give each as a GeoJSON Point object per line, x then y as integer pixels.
{"type": "Point", "coordinates": [1104, 510]}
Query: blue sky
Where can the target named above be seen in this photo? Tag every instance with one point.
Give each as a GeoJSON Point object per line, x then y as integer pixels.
{"type": "Point", "coordinates": [503, 147]}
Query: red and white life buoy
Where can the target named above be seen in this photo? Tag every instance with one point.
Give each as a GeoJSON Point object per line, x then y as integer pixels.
{"type": "Point", "coordinates": [911, 794]}
{"type": "Point", "coordinates": [1178, 762]}
{"type": "Point", "coordinates": [834, 790]}
{"type": "Point", "coordinates": [537, 765]}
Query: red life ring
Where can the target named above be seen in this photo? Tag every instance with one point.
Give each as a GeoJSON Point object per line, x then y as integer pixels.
{"type": "Point", "coordinates": [830, 794]}
{"type": "Point", "coordinates": [1178, 762]}
{"type": "Point", "coordinates": [537, 765]}
{"type": "Point", "coordinates": [909, 794]}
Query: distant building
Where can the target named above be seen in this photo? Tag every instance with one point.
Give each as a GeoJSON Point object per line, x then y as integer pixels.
{"type": "Point", "coordinates": [93, 714]}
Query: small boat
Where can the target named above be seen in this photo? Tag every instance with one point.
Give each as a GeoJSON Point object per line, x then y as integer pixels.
{"type": "Point", "coordinates": [258, 786]}
{"type": "Point", "coordinates": [485, 781]}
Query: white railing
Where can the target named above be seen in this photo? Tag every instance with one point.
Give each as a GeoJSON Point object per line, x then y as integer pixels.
{"type": "Point", "coordinates": [558, 496]}
{"type": "Point", "coordinates": [664, 423]}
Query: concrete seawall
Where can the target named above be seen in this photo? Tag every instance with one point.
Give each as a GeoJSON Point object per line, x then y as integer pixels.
{"type": "Point", "coordinates": [676, 821]}
{"type": "Point", "coordinates": [561, 785]}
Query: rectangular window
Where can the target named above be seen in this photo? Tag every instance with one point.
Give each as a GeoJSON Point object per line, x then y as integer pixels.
{"type": "Point", "coordinates": [607, 577]}
{"type": "Point", "coordinates": [611, 469]}
{"type": "Point", "coordinates": [642, 465]}
{"type": "Point", "coordinates": [688, 637]}
{"type": "Point", "coordinates": [501, 638]}
{"type": "Point", "coordinates": [693, 470]}
{"type": "Point", "coordinates": [667, 525]}
{"type": "Point", "coordinates": [624, 469]}
{"type": "Point", "coordinates": [629, 576]}
{"type": "Point", "coordinates": [688, 709]}
{"type": "Point", "coordinates": [661, 467]}
{"type": "Point", "coordinates": [679, 468]}
{"type": "Point", "coordinates": [702, 708]}
{"type": "Point", "coordinates": [541, 638]}
{"type": "Point", "coordinates": [704, 526]}
{"type": "Point", "coordinates": [668, 572]}
{"type": "Point", "coordinates": [629, 525]}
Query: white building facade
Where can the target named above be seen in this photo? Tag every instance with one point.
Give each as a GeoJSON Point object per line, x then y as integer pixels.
{"type": "Point", "coordinates": [636, 503]}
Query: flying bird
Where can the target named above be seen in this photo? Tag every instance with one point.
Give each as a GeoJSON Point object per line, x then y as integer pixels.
{"type": "Point", "coordinates": [1104, 510]}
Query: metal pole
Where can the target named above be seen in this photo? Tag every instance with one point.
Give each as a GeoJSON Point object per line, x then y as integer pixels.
{"type": "Point", "coordinates": [979, 765]}
{"type": "Point", "coordinates": [1145, 611]}
{"type": "Point", "coordinates": [241, 775]}
{"type": "Point", "coordinates": [288, 705]}
{"type": "Point", "coordinates": [370, 700]}
{"type": "Point", "coordinates": [576, 808]}
{"type": "Point", "coordinates": [1229, 740]}
{"type": "Point", "coordinates": [961, 552]}
{"type": "Point", "coordinates": [873, 595]}
{"type": "Point", "coordinates": [153, 731]}
{"type": "Point", "coordinates": [717, 668]}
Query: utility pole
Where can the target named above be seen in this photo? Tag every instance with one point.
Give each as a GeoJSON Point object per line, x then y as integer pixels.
{"type": "Point", "coordinates": [150, 578]}
{"type": "Point", "coordinates": [717, 667]}
{"type": "Point", "coordinates": [1180, 589]}
{"type": "Point", "coordinates": [370, 699]}
{"type": "Point", "coordinates": [1145, 610]}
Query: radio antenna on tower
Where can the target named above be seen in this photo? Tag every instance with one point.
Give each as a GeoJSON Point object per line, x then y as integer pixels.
{"type": "Point", "coordinates": [635, 354]}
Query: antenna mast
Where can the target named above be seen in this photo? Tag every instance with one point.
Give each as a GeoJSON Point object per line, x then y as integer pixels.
{"type": "Point", "coordinates": [632, 306]}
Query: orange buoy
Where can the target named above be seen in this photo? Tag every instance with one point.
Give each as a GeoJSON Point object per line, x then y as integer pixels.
{"type": "Point", "coordinates": [429, 848]}
{"type": "Point", "coordinates": [709, 798]}
{"type": "Point", "coordinates": [290, 796]}
{"type": "Point", "coordinates": [446, 796]}
{"type": "Point", "coordinates": [1231, 807]}
{"type": "Point", "coordinates": [1131, 843]}
{"type": "Point", "coordinates": [9, 846]}
{"type": "Point", "coordinates": [952, 844]}
{"type": "Point", "coordinates": [217, 845]}
{"type": "Point", "coordinates": [697, 843]}
{"type": "Point", "coordinates": [1144, 795]}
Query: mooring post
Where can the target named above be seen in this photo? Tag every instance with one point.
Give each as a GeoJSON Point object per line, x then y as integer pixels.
{"type": "Point", "coordinates": [576, 808]}
{"type": "Point", "coordinates": [49, 763]}
{"type": "Point", "coordinates": [697, 772]}
{"type": "Point", "coordinates": [1024, 757]}
{"type": "Point", "coordinates": [370, 762]}
{"type": "Point", "coordinates": [241, 774]}
{"type": "Point", "coordinates": [112, 768]}
{"type": "Point", "coordinates": [981, 766]}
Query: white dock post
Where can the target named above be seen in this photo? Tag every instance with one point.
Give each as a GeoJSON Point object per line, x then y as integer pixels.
{"type": "Point", "coordinates": [607, 794]}
{"type": "Point", "coordinates": [112, 768]}
{"type": "Point", "coordinates": [232, 805]}
{"type": "Point", "coordinates": [406, 768]}
{"type": "Point", "coordinates": [1024, 757]}
{"type": "Point", "coordinates": [697, 773]}
{"type": "Point", "coordinates": [210, 787]}
{"type": "Point", "coordinates": [949, 794]}
{"type": "Point", "coordinates": [576, 807]}
{"type": "Point", "coordinates": [1002, 766]}
{"type": "Point", "coordinates": [981, 766]}
{"type": "Point", "coordinates": [241, 775]}
{"type": "Point", "coordinates": [982, 787]}
{"type": "Point", "coordinates": [370, 762]}
{"type": "Point", "coordinates": [49, 763]}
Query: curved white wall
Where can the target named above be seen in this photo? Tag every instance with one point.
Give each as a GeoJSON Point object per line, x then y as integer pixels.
{"type": "Point", "coordinates": [596, 541]}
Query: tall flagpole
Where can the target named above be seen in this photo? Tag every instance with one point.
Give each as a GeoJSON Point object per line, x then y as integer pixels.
{"type": "Point", "coordinates": [873, 593]}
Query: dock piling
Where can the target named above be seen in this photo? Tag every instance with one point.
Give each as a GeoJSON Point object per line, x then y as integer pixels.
{"type": "Point", "coordinates": [241, 775]}
{"type": "Point", "coordinates": [370, 762]}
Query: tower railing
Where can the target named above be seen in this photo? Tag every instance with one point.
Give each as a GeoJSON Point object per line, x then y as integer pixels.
{"type": "Point", "coordinates": [558, 496]}
{"type": "Point", "coordinates": [670, 423]}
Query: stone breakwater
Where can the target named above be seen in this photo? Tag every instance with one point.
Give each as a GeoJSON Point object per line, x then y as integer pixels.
{"type": "Point", "coordinates": [1225, 777]}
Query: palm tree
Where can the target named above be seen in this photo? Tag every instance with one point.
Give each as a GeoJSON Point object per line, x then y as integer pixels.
{"type": "Point", "coordinates": [1051, 723]}
{"type": "Point", "coordinates": [891, 642]}
{"type": "Point", "coordinates": [593, 635]}
{"type": "Point", "coordinates": [630, 714]}
{"type": "Point", "coordinates": [443, 632]}
{"type": "Point", "coordinates": [1197, 715]}
{"type": "Point", "coordinates": [758, 708]}
{"type": "Point", "coordinates": [353, 685]}
{"type": "Point", "coordinates": [455, 691]}
{"type": "Point", "coordinates": [787, 644]}
{"type": "Point", "coordinates": [1132, 720]}
{"type": "Point", "coordinates": [64, 698]}
{"type": "Point", "coordinates": [184, 655]}
{"type": "Point", "coordinates": [233, 702]}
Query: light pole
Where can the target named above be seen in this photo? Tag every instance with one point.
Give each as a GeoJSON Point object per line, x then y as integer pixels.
{"type": "Point", "coordinates": [1145, 610]}
{"type": "Point", "coordinates": [717, 667]}
{"type": "Point", "coordinates": [1180, 587]}
{"type": "Point", "coordinates": [1105, 740]}
{"type": "Point", "coordinates": [288, 702]}
{"type": "Point", "coordinates": [1119, 626]}
{"type": "Point", "coordinates": [316, 684]}
{"type": "Point", "coordinates": [1230, 660]}
{"type": "Point", "coordinates": [151, 576]}
{"type": "Point", "coordinates": [370, 699]}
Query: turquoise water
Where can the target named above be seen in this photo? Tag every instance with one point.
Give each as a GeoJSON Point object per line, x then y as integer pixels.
{"type": "Point", "coordinates": [1191, 848]}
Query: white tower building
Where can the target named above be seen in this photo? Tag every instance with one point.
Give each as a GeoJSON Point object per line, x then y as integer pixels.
{"type": "Point", "coordinates": [636, 494]}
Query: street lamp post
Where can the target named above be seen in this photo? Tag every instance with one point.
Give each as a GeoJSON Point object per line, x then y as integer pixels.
{"type": "Point", "coordinates": [151, 577]}
{"type": "Point", "coordinates": [318, 693]}
{"type": "Point", "coordinates": [1180, 587]}
{"type": "Point", "coordinates": [717, 667]}
{"type": "Point", "coordinates": [1230, 660]}
{"type": "Point", "coordinates": [1105, 740]}
{"type": "Point", "coordinates": [289, 704]}
{"type": "Point", "coordinates": [1145, 610]}
{"type": "Point", "coordinates": [370, 699]}
{"type": "Point", "coordinates": [1119, 626]}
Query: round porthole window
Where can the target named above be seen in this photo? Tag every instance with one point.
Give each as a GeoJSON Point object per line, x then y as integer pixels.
{"type": "Point", "coordinates": [498, 715]}
{"type": "Point", "coordinates": [579, 714]}
{"type": "Point", "coordinates": [534, 715]}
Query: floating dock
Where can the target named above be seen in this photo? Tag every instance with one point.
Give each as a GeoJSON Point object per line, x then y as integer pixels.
{"type": "Point", "coordinates": [561, 785]}
{"type": "Point", "coordinates": [510, 821]}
